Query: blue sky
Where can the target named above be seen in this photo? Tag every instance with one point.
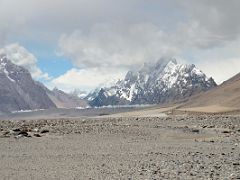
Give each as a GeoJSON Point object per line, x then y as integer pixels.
{"type": "Point", "coordinates": [48, 60]}
{"type": "Point", "coordinates": [79, 44]}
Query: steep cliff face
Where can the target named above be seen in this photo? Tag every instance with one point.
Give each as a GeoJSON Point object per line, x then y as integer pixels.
{"type": "Point", "coordinates": [162, 82]}
{"type": "Point", "coordinates": [18, 91]}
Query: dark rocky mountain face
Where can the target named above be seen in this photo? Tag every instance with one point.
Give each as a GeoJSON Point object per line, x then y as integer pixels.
{"type": "Point", "coordinates": [163, 82]}
{"type": "Point", "coordinates": [18, 91]}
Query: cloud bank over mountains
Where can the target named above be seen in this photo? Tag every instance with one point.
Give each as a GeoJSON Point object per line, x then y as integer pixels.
{"type": "Point", "coordinates": [103, 39]}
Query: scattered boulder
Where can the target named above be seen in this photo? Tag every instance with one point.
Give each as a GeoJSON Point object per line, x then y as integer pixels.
{"type": "Point", "coordinates": [5, 134]}
{"type": "Point", "coordinates": [236, 164]}
{"type": "Point", "coordinates": [44, 131]}
{"type": "Point", "coordinates": [16, 130]}
{"type": "Point", "coordinates": [212, 126]}
{"type": "Point", "coordinates": [226, 131]}
{"type": "Point", "coordinates": [22, 134]}
{"type": "Point", "coordinates": [195, 130]}
{"type": "Point", "coordinates": [37, 135]}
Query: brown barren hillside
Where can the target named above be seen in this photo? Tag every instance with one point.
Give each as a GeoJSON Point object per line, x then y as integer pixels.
{"type": "Point", "coordinates": [224, 96]}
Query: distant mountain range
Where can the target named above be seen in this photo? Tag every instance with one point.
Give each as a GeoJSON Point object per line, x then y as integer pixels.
{"type": "Point", "coordinates": [162, 82]}
{"type": "Point", "coordinates": [64, 100]}
{"type": "Point", "coordinates": [18, 91]}
{"type": "Point", "coordinates": [165, 81]}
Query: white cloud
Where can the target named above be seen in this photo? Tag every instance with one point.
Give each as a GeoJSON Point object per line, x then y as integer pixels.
{"type": "Point", "coordinates": [85, 79]}
{"type": "Point", "coordinates": [22, 57]}
{"type": "Point", "coordinates": [31, 18]}
{"type": "Point", "coordinates": [221, 68]}
{"type": "Point", "coordinates": [192, 35]}
{"type": "Point", "coordinates": [221, 63]}
{"type": "Point", "coordinates": [108, 51]}
{"type": "Point", "coordinates": [126, 46]}
{"type": "Point", "coordinates": [116, 45]}
{"type": "Point", "coordinates": [110, 34]}
{"type": "Point", "coordinates": [219, 18]}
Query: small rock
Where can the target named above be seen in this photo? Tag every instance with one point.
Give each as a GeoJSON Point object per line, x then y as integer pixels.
{"type": "Point", "coordinates": [44, 131]}
{"type": "Point", "coordinates": [195, 130]}
{"type": "Point", "coordinates": [212, 126]}
{"type": "Point", "coordinates": [226, 131]}
{"type": "Point", "coordinates": [236, 164]}
{"type": "Point", "coordinates": [18, 136]}
{"type": "Point", "coordinates": [16, 130]}
{"type": "Point", "coordinates": [22, 134]}
{"type": "Point", "coordinates": [37, 135]}
{"type": "Point", "coordinates": [6, 133]}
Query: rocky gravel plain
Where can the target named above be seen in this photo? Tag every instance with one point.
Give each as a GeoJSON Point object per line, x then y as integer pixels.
{"type": "Point", "coordinates": [173, 147]}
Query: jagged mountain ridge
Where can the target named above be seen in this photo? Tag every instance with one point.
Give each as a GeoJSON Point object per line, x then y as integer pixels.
{"type": "Point", "coordinates": [18, 91]}
{"type": "Point", "coordinates": [162, 82]}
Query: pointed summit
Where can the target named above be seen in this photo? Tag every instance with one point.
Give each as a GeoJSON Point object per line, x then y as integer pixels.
{"type": "Point", "coordinates": [173, 60]}
{"type": "Point", "coordinates": [161, 82]}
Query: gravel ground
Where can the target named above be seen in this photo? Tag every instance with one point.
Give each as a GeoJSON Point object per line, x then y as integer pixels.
{"type": "Point", "coordinates": [174, 147]}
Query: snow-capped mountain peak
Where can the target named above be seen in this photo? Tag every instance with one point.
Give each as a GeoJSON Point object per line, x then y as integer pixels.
{"type": "Point", "coordinates": [160, 82]}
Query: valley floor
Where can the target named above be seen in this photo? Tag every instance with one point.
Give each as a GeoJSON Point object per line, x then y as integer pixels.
{"type": "Point", "coordinates": [171, 147]}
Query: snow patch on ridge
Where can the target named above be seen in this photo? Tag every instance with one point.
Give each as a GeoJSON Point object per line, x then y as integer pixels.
{"type": "Point", "coordinates": [3, 68]}
{"type": "Point", "coordinates": [7, 74]}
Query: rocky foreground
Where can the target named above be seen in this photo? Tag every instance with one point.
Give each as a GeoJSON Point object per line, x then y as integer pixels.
{"type": "Point", "coordinates": [174, 147]}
